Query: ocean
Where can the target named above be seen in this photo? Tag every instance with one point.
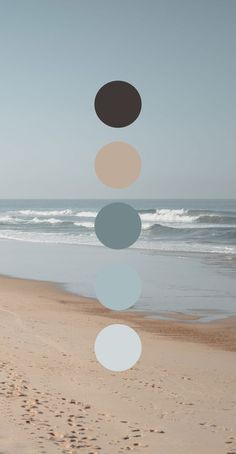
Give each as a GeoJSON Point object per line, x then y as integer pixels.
{"type": "Point", "coordinates": [194, 226]}
{"type": "Point", "coordinates": [186, 253]}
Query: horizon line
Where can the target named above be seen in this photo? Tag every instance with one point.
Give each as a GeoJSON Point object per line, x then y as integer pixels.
{"type": "Point", "coordinates": [118, 198]}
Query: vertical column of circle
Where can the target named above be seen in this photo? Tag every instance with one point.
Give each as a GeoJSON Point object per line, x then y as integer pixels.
{"type": "Point", "coordinates": [118, 225]}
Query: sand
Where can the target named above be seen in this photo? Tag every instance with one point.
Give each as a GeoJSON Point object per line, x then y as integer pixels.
{"type": "Point", "coordinates": [55, 398]}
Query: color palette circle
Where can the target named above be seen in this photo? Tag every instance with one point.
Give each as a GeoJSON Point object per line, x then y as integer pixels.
{"type": "Point", "coordinates": [117, 225]}
{"type": "Point", "coordinates": [118, 287]}
{"type": "Point", "coordinates": [118, 104]}
{"type": "Point", "coordinates": [118, 165]}
{"type": "Point", "coordinates": [118, 347]}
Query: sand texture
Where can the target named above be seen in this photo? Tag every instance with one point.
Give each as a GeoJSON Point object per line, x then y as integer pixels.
{"type": "Point", "coordinates": [55, 398]}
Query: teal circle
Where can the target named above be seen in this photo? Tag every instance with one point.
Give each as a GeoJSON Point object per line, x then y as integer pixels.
{"type": "Point", "coordinates": [118, 287]}
{"type": "Point", "coordinates": [117, 347]}
{"type": "Point", "coordinates": [118, 225]}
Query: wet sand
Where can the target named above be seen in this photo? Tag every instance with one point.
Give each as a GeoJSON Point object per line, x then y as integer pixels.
{"type": "Point", "coordinates": [56, 398]}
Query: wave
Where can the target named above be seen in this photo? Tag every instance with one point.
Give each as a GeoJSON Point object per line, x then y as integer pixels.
{"type": "Point", "coordinates": [10, 220]}
{"type": "Point", "coordinates": [44, 221]}
{"type": "Point", "coordinates": [166, 215]}
{"type": "Point", "coordinates": [162, 229]}
{"type": "Point", "coordinates": [87, 225]}
{"type": "Point", "coordinates": [178, 219]}
{"type": "Point", "coordinates": [86, 214]}
{"type": "Point", "coordinates": [213, 234]}
{"type": "Point", "coordinates": [151, 210]}
{"type": "Point", "coordinates": [51, 213]}
{"type": "Point", "coordinates": [45, 213]}
{"type": "Point", "coordinates": [188, 248]}
{"type": "Point", "coordinates": [14, 220]}
{"type": "Point", "coordinates": [48, 238]}
{"type": "Point", "coordinates": [216, 219]}
{"type": "Point", "coordinates": [187, 227]}
{"type": "Point", "coordinates": [79, 239]}
{"type": "Point", "coordinates": [183, 216]}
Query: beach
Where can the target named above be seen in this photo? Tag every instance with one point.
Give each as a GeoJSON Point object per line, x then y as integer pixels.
{"type": "Point", "coordinates": [117, 227]}
{"type": "Point", "coordinates": [56, 398]}
{"type": "Point", "coordinates": [185, 255]}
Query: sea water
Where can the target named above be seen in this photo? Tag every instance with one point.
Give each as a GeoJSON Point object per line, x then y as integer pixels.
{"type": "Point", "coordinates": [186, 253]}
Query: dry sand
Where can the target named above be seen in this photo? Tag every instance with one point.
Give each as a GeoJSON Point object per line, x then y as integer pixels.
{"type": "Point", "coordinates": [55, 398]}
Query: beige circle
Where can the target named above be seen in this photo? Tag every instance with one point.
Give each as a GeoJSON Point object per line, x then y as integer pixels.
{"type": "Point", "coordinates": [118, 165]}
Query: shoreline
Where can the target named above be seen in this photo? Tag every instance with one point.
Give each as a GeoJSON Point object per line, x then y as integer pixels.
{"type": "Point", "coordinates": [56, 398]}
{"type": "Point", "coordinates": [216, 333]}
{"type": "Point", "coordinates": [176, 283]}
{"type": "Point", "coordinates": [220, 334]}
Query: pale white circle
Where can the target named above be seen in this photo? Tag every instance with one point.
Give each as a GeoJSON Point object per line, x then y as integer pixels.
{"type": "Point", "coordinates": [118, 347]}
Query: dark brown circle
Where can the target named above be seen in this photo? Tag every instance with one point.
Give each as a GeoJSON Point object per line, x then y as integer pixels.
{"type": "Point", "coordinates": [118, 104]}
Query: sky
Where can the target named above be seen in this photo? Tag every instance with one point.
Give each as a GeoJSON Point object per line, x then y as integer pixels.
{"type": "Point", "coordinates": [56, 54]}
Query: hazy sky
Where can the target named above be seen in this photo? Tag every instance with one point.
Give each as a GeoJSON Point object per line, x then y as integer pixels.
{"type": "Point", "coordinates": [56, 54]}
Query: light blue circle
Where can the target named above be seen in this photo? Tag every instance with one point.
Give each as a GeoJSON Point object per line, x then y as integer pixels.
{"type": "Point", "coordinates": [118, 347]}
{"type": "Point", "coordinates": [118, 287]}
